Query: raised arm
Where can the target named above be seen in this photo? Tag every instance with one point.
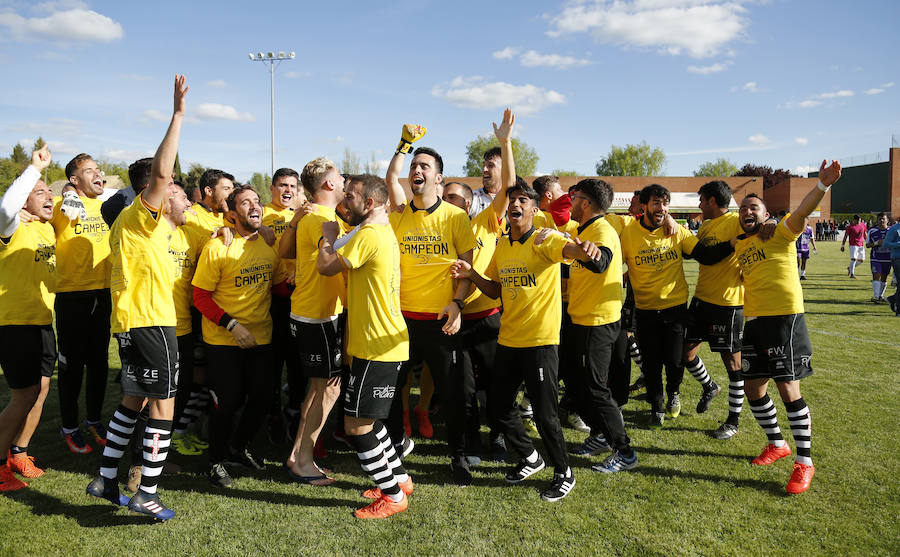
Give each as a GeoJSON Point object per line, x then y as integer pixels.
{"type": "Point", "coordinates": [396, 194]}
{"type": "Point", "coordinates": [17, 194]}
{"type": "Point", "coordinates": [828, 175]}
{"type": "Point", "coordinates": [164, 160]}
{"type": "Point", "coordinates": [508, 168]}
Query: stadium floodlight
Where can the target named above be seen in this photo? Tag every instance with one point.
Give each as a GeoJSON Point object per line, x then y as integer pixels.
{"type": "Point", "coordinates": [270, 59]}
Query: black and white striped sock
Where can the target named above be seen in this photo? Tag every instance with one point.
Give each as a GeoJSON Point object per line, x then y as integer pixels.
{"type": "Point", "coordinates": [157, 435]}
{"type": "Point", "coordinates": [118, 434]}
{"type": "Point", "coordinates": [698, 370]}
{"type": "Point", "coordinates": [635, 352]}
{"type": "Point", "coordinates": [765, 413]}
{"type": "Point", "coordinates": [194, 408]}
{"type": "Point", "coordinates": [735, 397]}
{"type": "Point", "coordinates": [374, 463]}
{"type": "Point", "coordinates": [393, 460]}
{"type": "Point", "coordinates": [801, 428]}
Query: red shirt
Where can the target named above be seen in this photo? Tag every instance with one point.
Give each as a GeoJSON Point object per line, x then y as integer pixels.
{"type": "Point", "coordinates": [856, 234]}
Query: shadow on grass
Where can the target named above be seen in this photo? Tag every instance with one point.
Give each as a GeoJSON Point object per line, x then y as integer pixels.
{"type": "Point", "coordinates": [687, 452]}
{"type": "Point", "coordinates": [775, 488]}
{"type": "Point", "coordinates": [93, 514]}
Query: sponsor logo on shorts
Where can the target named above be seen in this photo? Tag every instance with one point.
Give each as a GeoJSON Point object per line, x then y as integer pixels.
{"type": "Point", "coordinates": [541, 374]}
{"type": "Point", "coordinates": [383, 392]}
{"type": "Point", "coordinates": [775, 351]}
{"type": "Point", "coordinates": [805, 360]}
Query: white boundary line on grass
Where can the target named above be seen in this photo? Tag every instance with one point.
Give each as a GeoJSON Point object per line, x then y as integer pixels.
{"type": "Point", "coordinates": [854, 338]}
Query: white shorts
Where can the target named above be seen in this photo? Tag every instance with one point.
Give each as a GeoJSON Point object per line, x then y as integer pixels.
{"type": "Point", "coordinates": [858, 253]}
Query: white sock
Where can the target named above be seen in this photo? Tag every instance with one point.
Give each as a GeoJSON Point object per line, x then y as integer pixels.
{"type": "Point", "coordinates": [852, 267]}
{"type": "Point", "coordinates": [882, 286]}
{"type": "Point", "coordinates": [802, 272]}
{"type": "Point", "coordinates": [532, 458]}
{"type": "Point", "coordinates": [875, 287]}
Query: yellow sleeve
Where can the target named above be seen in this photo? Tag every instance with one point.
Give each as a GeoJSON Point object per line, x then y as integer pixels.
{"type": "Point", "coordinates": [551, 249]}
{"type": "Point", "coordinates": [208, 272]}
{"type": "Point", "coordinates": [463, 237]}
{"type": "Point", "coordinates": [491, 272]}
{"type": "Point", "coordinates": [394, 219]}
{"type": "Point", "coordinates": [688, 240]}
{"type": "Point", "coordinates": [357, 251]}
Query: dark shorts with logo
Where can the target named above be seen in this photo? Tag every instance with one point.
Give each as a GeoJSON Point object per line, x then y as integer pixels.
{"type": "Point", "coordinates": [720, 326]}
{"type": "Point", "coordinates": [27, 352]}
{"type": "Point", "coordinates": [149, 358]}
{"type": "Point", "coordinates": [320, 347]}
{"type": "Point", "coordinates": [776, 347]}
{"type": "Point", "coordinates": [369, 388]}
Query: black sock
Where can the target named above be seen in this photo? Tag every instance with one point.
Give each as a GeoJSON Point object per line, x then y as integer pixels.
{"type": "Point", "coordinates": [374, 462]}
{"type": "Point", "coordinates": [156, 447]}
{"type": "Point", "coordinates": [15, 449]}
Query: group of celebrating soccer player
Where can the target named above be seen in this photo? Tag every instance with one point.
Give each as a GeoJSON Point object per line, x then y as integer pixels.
{"type": "Point", "coordinates": [364, 281]}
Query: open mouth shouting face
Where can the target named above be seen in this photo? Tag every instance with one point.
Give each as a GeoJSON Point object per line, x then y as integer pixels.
{"type": "Point", "coordinates": [284, 191]}
{"type": "Point", "coordinates": [656, 210]}
{"type": "Point", "coordinates": [88, 178]}
{"type": "Point", "coordinates": [423, 173]}
{"type": "Point", "coordinates": [40, 201]}
{"type": "Point", "coordinates": [521, 209]}
{"type": "Point", "coordinates": [752, 214]}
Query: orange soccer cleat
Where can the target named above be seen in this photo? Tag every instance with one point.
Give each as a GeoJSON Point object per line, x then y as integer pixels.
{"type": "Point", "coordinates": [426, 430]}
{"type": "Point", "coordinates": [375, 493]}
{"type": "Point", "coordinates": [772, 453]}
{"type": "Point", "coordinates": [383, 508]}
{"type": "Point", "coordinates": [9, 481]}
{"type": "Point", "coordinates": [800, 478]}
{"type": "Point", "coordinates": [23, 465]}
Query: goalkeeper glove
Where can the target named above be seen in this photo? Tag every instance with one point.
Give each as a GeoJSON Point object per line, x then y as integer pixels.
{"type": "Point", "coordinates": [410, 134]}
{"type": "Point", "coordinates": [72, 206]}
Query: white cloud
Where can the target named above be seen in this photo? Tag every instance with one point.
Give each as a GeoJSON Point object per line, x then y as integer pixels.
{"type": "Point", "coordinates": [297, 75]}
{"type": "Point", "coordinates": [803, 169]}
{"type": "Point", "coordinates": [78, 24]}
{"type": "Point", "coordinates": [217, 83]}
{"type": "Point", "coordinates": [759, 139]}
{"type": "Point", "coordinates": [705, 70]}
{"type": "Point", "coordinates": [700, 28]}
{"type": "Point", "coordinates": [128, 155]}
{"type": "Point", "coordinates": [155, 115]}
{"type": "Point", "coordinates": [835, 94]}
{"type": "Point", "coordinates": [809, 103]}
{"type": "Point", "coordinates": [474, 92]}
{"type": "Point", "coordinates": [879, 90]}
{"type": "Point", "coordinates": [750, 87]}
{"type": "Point", "coordinates": [532, 59]}
{"type": "Point", "coordinates": [506, 54]}
{"type": "Point", "coordinates": [215, 111]}
{"type": "Point", "coordinates": [135, 77]}
{"type": "Point", "coordinates": [801, 141]}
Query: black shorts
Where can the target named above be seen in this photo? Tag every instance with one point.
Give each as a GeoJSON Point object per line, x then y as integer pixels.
{"type": "Point", "coordinates": [628, 308]}
{"type": "Point", "coordinates": [776, 347]}
{"type": "Point", "coordinates": [369, 388]}
{"type": "Point", "coordinates": [320, 347]}
{"type": "Point", "coordinates": [27, 352]}
{"type": "Point", "coordinates": [149, 358]}
{"type": "Point", "coordinates": [720, 326]}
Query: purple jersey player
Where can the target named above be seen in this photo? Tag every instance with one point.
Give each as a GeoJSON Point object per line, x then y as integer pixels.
{"type": "Point", "coordinates": [804, 241]}
{"type": "Point", "coordinates": [880, 258]}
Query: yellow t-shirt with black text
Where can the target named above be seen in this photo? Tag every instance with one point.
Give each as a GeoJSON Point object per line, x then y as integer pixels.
{"type": "Point", "coordinates": [315, 295]}
{"type": "Point", "coordinates": [278, 220]}
{"type": "Point", "coordinates": [27, 275]}
{"type": "Point", "coordinates": [720, 283]}
{"type": "Point", "coordinates": [184, 249]}
{"type": "Point", "coordinates": [655, 265]}
{"type": "Point", "coordinates": [487, 229]}
{"type": "Point", "coordinates": [596, 298]}
{"type": "Point", "coordinates": [376, 329]}
{"type": "Point", "coordinates": [529, 276]}
{"type": "Point", "coordinates": [240, 277]}
{"type": "Point", "coordinates": [619, 222]}
{"type": "Point", "coordinates": [141, 272]}
{"type": "Point", "coordinates": [82, 248]}
{"type": "Point", "coordinates": [430, 241]}
{"type": "Point", "coordinates": [771, 280]}
{"type": "Point", "coordinates": [204, 222]}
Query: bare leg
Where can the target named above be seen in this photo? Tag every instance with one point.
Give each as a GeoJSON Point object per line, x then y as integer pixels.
{"type": "Point", "coordinates": [34, 416]}
{"type": "Point", "coordinates": [325, 393]}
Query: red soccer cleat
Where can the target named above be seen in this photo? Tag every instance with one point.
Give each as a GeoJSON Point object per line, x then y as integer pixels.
{"type": "Point", "coordinates": [772, 453]}
{"type": "Point", "coordinates": [800, 478]}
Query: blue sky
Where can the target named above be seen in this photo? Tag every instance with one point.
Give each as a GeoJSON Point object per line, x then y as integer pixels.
{"type": "Point", "coordinates": [783, 83]}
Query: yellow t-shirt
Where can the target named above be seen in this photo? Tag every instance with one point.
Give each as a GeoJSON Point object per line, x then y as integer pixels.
{"type": "Point", "coordinates": [204, 222]}
{"type": "Point", "coordinates": [596, 298]}
{"type": "Point", "coordinates": [27, 275]}
{"type": "Point", "coordinates": [655, 265]}
{"type": "Point", "coordinates": [720, 284]}
{"type": "Point", "coordinates": [771, 280]}
{"type": "Point", "coordinates": [141, 271]}
{"type": "Point", "coordinates": [184, 249]}
{"type": "Point", "coordinates": [278, 220]}
{"type": "Point", "coordinates": [82, 249]}
{"type": "Point", "coordinates": [430, 242]}
{"type": "Point", "coordinates": [486, 228]}
{"type": "Point", "coordinates": [315, 296]}
{"type": "Point", "coordinates": [376, 329]}
{"type": "Point", "coordinates": [529, 276]}
{"type": "Point", "coordinates": [240, 277]}
{"type": "Point", "coordinates": [619, 222]}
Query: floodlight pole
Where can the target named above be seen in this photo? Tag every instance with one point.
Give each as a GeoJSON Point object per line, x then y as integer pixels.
{"type": "Point", "coordinates": [270, 58]}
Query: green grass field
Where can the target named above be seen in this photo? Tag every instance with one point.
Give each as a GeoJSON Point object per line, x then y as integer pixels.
{"type": "Point", "coordinates": [691, 495]}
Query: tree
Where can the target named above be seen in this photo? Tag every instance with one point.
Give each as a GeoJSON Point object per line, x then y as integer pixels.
{"type": "Point", "coordinates": [19, 157]}
{"type": "Point", "coordinates": [261, 183]}
{"type": "Point", "coordinates": [192, 178]}
{"type": "Point", "coordinates": [560, 172]}
{"type": "Point", "coordinates": [770, 177]}
{"type": "Point", "coordinates": [350, 163]}
{"type": "Point", "coordinates": [53, 172]}
{"type": "Point", "coordinates": [115, 169]}
{"type": "Point", "coordinates": [525, 155]}
{"type": "Point", "coordinates": [719, 167]}
{"type": "Point", "coordinates": [632, 160]}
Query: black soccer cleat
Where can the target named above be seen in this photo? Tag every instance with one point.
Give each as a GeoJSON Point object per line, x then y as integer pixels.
{"type": "Point", "coordinates": [150, 505]}
{"type": "Point", "coordinates": [105, 488]}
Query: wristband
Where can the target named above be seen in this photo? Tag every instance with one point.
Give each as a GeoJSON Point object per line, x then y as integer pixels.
{"type": "Point", "coordinates": [231, 325]}
{"type": "Point", "coordinates": [459, 303]}
{"type": "Point", "coordinates": [822, 186]}
{"type": "Point", "coordinates": [225, 320]}
{"type": "Point", "coordinates": [292, 226]}
{"type": "Point", "coordinates": [404, 147]}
